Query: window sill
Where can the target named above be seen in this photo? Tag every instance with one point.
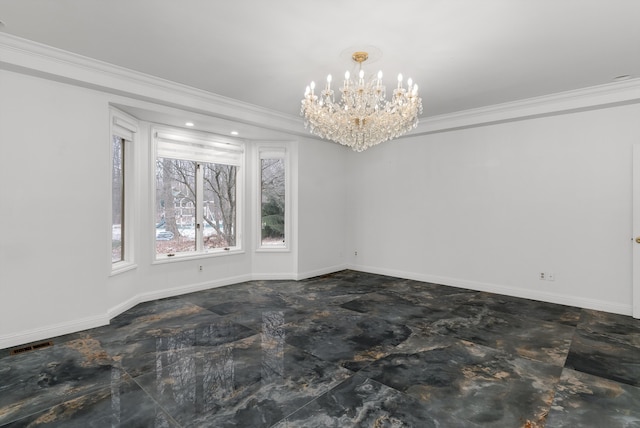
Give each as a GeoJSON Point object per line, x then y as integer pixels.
{"type": "Point", "coordinates": [273, 250]}
{"type": "Point", "coordinates": [121, 267]}
{"type": "Point", "coordinates": [195, 256]}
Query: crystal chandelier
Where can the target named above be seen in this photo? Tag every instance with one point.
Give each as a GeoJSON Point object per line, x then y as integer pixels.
{"type": "Point", "coordinates": [363, 117]}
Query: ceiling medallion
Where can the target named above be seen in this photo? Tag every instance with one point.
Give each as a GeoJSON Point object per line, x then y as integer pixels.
{"type": "Point", "coordinates": [363, 117]}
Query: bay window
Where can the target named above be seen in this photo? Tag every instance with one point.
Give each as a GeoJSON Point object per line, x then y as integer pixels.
{"type": "Point", "coordinates": [273, 198]}
{"type": "Point", "coordinates": [198, 187]}
{"type": "Point", "coordinates": [123, 133]}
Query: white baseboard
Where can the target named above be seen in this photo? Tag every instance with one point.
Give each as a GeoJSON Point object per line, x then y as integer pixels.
{"type": "Point", "coordinates": [192, 288]}
{"type": "Point", "coordinates": [561, 299]}
{"type": "Point", "coordinates": [20, 338]}
{"type": "Point", "coordinates": [176, 291]}
{"type": "Point", "coordinates": [324, 271]}
{"type": "Point", "coordinates": [273, 276]}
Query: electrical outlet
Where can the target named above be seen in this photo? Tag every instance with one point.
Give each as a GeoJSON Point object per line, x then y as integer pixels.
{"type": "Point", "coordinates": [547, 276]}
{"type": "Point", "coordinates": [355, 253]}
{"type": "Point", "coordinates": [200, 268]}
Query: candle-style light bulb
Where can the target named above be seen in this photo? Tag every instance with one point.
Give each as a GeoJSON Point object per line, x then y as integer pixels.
{"type": "Point", "coordinates": [379, 78]}
{"type": "Point", "coordinates": [313, 86]}
{"type": "Point", "coordinates": [409, 83]}
{"type": "Point", "coordinates": [307, 91]}
{"type": "Point", "coordinates": [399, 81]}
{"type": "Point", "coordinates": [328, 82]}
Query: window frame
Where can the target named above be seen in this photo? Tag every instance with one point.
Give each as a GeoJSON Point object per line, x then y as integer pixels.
{"type": "Point", "coordinates": [273, 151]}
{"type": "Point", "coordinates": [124, 127]}
{"type": "Point", "coordinates": [178, 135]}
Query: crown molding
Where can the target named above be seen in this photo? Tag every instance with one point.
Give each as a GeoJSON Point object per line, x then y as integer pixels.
{"type": "Point", "coordinates": [590, 98]}
{"type": "Point", "coordinates": [28, 57]}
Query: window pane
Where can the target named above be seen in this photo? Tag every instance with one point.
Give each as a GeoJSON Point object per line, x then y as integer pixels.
{"type": "Point", "coordinates": [219, 205]}
{"type": "Point", "coordinates": [175, 206]}
{"type": "Point", "coordinates": [272, 202]}
{"type": "Point", "coordinates": [117, 200]}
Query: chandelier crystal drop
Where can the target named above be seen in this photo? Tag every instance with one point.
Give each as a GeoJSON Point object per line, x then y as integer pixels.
{"type": "Point", "coordinates": [363, 117]}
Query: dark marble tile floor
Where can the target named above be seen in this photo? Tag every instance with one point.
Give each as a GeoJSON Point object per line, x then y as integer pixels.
{"type": "Point", "coordinates": [349, 349]}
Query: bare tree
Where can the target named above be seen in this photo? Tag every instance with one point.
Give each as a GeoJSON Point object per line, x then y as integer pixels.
{"type": "Point", "coordinates": [220, 185]}
{"type": "Point", "coordinates": [167, 197]}
{"type": "Point", "coordinates": [177, 184]}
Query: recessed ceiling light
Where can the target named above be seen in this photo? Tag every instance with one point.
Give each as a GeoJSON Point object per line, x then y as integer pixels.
{"type": "Point", "coordinates": [234, 132]}
{"type": "Point", "coordinates": [622, 77]}
{"type": "Point", "coordinates": [189, 124]}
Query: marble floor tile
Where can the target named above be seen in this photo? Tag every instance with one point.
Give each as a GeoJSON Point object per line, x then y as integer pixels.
{"type": "Point", "coordinates": [153, 319]}
{"type": "Point", "coordinates": [361, 402]}
{"type": "Point", "coordinates": [36, 380]}
{"type": "Point", "coordinates": [612, 328]}
{"type": "Point", "coordinates": [122, 403]}
{"type": "Point", "coordinates": [539, 340]}
{"type": "Point", "coordinates": [345, 337]}
{"type": "Point", "coordinates": [140, 356]}
{"type": "Point", "coordinates": [226, 300]}
{"type": "Point", "coordinates": [348, 349]}
{"type": "Point", "coordinates": [254, 382]}
{"type": "Point", "coordinates": [472, 382]}
{"type": "Point", "coordinates": [357, 279]}
{"type": "Point", "coordinates": [584, 400]}
{"type": "Point", "coordinates": [608, 346]}
{"type": "Point", "coordinates": [390, 307]}
{"type": "Point", "coordinates": [425, 293]}
{"type": "Point", "coordinates": [527, 308]}
{"type": "Point", "coordinates": [253, 317]}
{"type": "Point", "coordinates": [325, 291]}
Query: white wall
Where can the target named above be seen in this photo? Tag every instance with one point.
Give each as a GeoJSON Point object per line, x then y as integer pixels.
{"type": "Point", "coordinates": [55, 148]}
{"type": "Point", "coordinates": [486, 208]}
{"type": "Point", "coordinates": [55, 261]}
{"type": "Point", "coordinates": [491, 207]}
{"type": "Point", "coordinates": [322, 214]}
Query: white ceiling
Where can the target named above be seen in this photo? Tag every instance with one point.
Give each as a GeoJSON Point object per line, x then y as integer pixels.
{"type": "Point", "coordinates": [463, 53]}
